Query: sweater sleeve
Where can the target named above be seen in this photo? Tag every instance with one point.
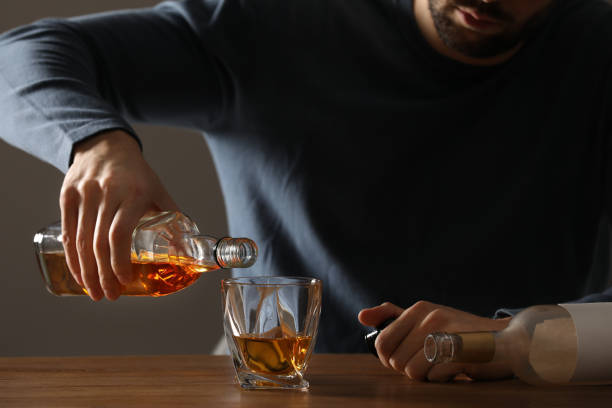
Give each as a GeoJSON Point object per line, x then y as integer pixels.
{"type": "Point", "coordinates": [63, 80]}
{"type": "Point", "coordinates": [605, 296]}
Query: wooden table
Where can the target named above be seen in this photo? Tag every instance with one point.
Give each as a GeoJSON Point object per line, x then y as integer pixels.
{"type": "Point", "coordinates": [336, 380]}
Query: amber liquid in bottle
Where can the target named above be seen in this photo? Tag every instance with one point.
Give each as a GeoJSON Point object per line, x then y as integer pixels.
{"type": "Point", "coordinates": [282, 356]}
{"type": "Point", "coordinates": [151, 278]}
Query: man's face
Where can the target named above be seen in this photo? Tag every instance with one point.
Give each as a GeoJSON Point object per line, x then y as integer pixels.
{"type": "Point", "coordinates": [481, 29]}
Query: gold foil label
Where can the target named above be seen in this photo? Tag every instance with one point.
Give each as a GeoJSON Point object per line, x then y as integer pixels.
{"type": "Point", "coordinates": [475, 347]}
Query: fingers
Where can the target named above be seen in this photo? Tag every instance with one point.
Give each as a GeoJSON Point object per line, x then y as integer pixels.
{"type": "Point", "coordinates": [400, 345]}
{"type": "Point", "coordinates": [400, 333]}
{"type": "Point", "coordinates": [120, 239]}
{"type": "Point", "coordinates": [374, 316]}
{"type": "Point", "coordinates": [106, 190]}
{"type": "Point", "coordinates": [108, 281]}
{"type": "Point", "coordinates": [69, 204]}
{"type": "Point", "coordinates": [409, 358]}
{"type": "Point", "coordinates": [417, 367]}
{"type": "Point", "coordinates": [87, 217]}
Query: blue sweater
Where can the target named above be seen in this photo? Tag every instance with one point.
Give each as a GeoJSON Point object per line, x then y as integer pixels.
{"type": "Point", "coordinates": [350, 150]}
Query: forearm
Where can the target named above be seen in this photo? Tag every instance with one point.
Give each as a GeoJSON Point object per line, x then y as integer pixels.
{"type": "Point", "coordinates": [48, 98]}
{"type": "Point", "coordinates": [64, 80]}
{"type": "Point", "coordinates": [605, 296]}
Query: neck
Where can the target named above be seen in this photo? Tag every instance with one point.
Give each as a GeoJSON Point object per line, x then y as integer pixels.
{"type": "Point", "coordinates": [430, 33]}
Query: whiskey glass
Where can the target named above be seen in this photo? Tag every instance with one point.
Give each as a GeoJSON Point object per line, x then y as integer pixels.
{"type": "Point", "coordinates": [270, 325]}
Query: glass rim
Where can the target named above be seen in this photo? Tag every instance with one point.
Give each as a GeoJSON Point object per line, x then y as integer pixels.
{"type": "Point", "coordinates": [268, 281]}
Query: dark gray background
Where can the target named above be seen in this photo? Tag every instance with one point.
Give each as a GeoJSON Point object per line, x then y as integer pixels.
{"type": "Point", "coordinates": [34, 322]}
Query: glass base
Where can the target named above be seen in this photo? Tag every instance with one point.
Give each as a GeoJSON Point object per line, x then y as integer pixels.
{"type": "Point", "coordinates": [251, 381]}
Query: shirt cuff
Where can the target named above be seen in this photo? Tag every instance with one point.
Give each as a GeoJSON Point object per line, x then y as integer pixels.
{"type": "Point", "coordinates": [501, 313]}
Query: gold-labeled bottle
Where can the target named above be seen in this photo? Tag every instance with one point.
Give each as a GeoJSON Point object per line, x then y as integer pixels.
{"type": "Point", "coordinates": [168, 254]}
{"type": "Point", "coordinates": [543, 345]}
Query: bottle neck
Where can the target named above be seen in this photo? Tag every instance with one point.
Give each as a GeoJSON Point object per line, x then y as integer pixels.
{"type": "Point", "coordinates": [473, 347]}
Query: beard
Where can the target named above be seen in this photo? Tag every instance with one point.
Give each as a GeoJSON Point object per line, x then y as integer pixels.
{"type": "Point", "coordinates": [475, 45]}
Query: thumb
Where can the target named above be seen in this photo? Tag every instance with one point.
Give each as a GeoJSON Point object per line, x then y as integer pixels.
{"type": "Point", "coordinates": [376, 315]}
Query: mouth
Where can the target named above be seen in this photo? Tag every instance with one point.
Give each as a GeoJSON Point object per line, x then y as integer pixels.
{"type": "Point", "coordinates": [479, 22]}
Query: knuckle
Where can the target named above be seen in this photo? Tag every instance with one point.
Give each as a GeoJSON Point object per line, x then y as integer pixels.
{"type": "Point", "coordinates": [82, 244]}
{"type": "Point", "coordinates": [107, 185]}
{"type": "Point", "coordinates": [88, 187]}
{"type": "Point", "coordinates": [422, 306]}
{"type": "Point", "coordinates": [118, 234]}
{"type": "Point", "coordinates": [100, 246]}
{"type": "Point", "coordinates": [69, 195]}
{"type": "Point", "coordinates": [406, 313]}
{"type": "Point", "coordinates": [382, 345]}
{"type": "Point", "coordinates": [437, 318]}
{"type": "Point", "coordinates": [389, 306]}
{"type": "Point", "coordinates": [67, 241]}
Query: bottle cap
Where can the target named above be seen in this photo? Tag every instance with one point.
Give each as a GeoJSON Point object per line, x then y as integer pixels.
{"type": "Point", "coordinates": [236, 252]}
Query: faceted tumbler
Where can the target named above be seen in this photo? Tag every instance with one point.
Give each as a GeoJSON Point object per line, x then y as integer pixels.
{"type": "Point", "coordinates": [271, 326]}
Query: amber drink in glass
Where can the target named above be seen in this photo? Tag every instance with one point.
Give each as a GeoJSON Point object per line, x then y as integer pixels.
{"type": "Point", "coordinates": [270, 326]}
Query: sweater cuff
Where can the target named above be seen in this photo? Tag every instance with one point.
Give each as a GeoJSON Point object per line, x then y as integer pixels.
{"type": "Point", "coordinates": [92, 129]}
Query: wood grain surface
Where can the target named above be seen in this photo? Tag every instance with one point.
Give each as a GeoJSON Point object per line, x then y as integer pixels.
{"type": "Point", "coordinates": [336, 380]}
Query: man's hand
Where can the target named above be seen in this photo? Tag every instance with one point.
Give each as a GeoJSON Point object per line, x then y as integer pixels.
{"type": "Point", "coordinates": [107, 189]}
{"type": "Point", "coordinates": [400, 344]}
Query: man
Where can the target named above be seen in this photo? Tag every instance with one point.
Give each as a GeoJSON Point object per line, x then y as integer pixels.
{"type": "Point", "coordinates": [448, 150]}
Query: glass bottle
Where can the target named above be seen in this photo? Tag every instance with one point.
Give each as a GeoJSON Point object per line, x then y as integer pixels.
{"type": "Point", "coordinates": [544, 344]}
{"type": "Point", "coordinates": [168, 254]}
